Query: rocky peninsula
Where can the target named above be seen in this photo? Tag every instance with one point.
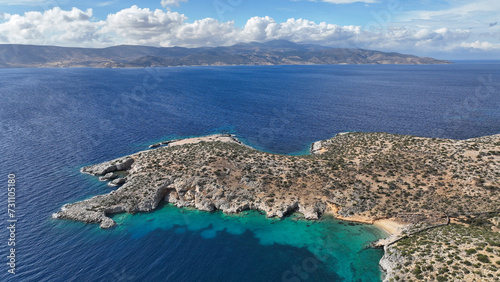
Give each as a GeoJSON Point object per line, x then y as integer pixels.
{"type": "Point", "coordinates": [366, 177]}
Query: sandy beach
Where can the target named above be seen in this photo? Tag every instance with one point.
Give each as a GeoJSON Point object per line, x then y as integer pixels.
{"type": "Point", "coordinates": [389, 225]}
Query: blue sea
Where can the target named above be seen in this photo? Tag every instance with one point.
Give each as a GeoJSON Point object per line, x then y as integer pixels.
{"type": "Point", "coordinates": [54, 121]}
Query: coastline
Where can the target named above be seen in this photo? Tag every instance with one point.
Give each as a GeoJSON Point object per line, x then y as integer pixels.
{"type": "Point", "coordinates": [221, 137]}
{"type": "Point", "coordinates": [220, 65]}
{"type": "Point", "coordinates": [216, 172]}
{"type": "Point", "coordinates": [321, 147]}
{"type": "Point", "coordinates": [390, 226]}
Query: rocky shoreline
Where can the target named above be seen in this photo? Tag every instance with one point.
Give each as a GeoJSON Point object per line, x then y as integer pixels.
{"type": "Point", "coordinates": [173, 190]}
{"type": "Point", "coordinates": [352, 176]}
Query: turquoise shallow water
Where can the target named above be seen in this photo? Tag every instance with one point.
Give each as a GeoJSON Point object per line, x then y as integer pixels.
{"type": "Point", "coordinates": [336, 248]}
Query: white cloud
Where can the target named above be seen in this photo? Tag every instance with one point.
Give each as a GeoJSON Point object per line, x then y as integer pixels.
{"type": "Point", "coordinates": [414, 40]}
{"type": "Point", "coordinates": [297, 30]}
{"type": "Point", "coordinates": [176, 3]}
{"type": "Point", "coordinates": [144, 26]}
{"type": "Point", "coordinates": [460, 14]}
{"type": "Point", "coordinates": [480, 46]}
{"type": "Point", "coordinates": [139, 26]}
{"type": "Point", "coordinates": [470, 26]}
{"type": "Point", "coordinates": [54, 26]}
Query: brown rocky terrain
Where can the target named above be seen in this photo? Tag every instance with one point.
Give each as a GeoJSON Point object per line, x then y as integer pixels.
{"type": "Point", "coordinates": [367, 175]}
{"type": "Point", "coordinates": [459, 251]}
{"type": "Point", "coordinates": [354, 176]}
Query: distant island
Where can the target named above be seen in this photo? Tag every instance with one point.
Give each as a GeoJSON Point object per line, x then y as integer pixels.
{"type": "Point", "coordinates": [439, 198]}
{"type": "Point", "coordinates": [276, 52]}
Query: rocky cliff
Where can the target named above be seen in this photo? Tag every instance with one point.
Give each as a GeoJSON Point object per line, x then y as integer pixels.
{"type": "Point", "coordinates": [373, 175]}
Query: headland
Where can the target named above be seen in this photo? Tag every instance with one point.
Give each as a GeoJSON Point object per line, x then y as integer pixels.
{"type": "Point", "coordinates": [406, 185]}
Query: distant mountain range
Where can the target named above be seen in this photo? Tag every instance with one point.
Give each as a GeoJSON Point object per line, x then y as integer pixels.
{"type": "Point", "coordinates": [276, 52]}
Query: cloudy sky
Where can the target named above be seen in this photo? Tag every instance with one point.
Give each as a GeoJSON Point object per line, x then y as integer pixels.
{"type": "Point", "coordinates": [449, 29]}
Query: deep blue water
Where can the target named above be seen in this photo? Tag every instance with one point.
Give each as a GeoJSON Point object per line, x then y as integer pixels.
{"type": "Point", "coordinates": [53, 121]}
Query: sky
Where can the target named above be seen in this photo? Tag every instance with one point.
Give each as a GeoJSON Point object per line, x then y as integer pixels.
{"type": "Point", "coordinates": [447, 29]}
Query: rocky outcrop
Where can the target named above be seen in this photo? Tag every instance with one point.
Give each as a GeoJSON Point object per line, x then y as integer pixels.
{"type": "Point", "coordinates": [90, 211]}
{"type": "Point", "coordinates": [108, 176]}
{"type": "Point", "coordinates": [163, 143]}
{"type": "Point", "coordinates": [352, 174]}
{"type": "Point", "coordinates": [316, 147]}
{"type": "Point", "coordinates": [120, 164]}
{"type": "Point", "coordinates": [389, 262]}
{"type": "Point", "coordinates": [117, 182]}
{"type": "Point", "coordinates": [220, 173]}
